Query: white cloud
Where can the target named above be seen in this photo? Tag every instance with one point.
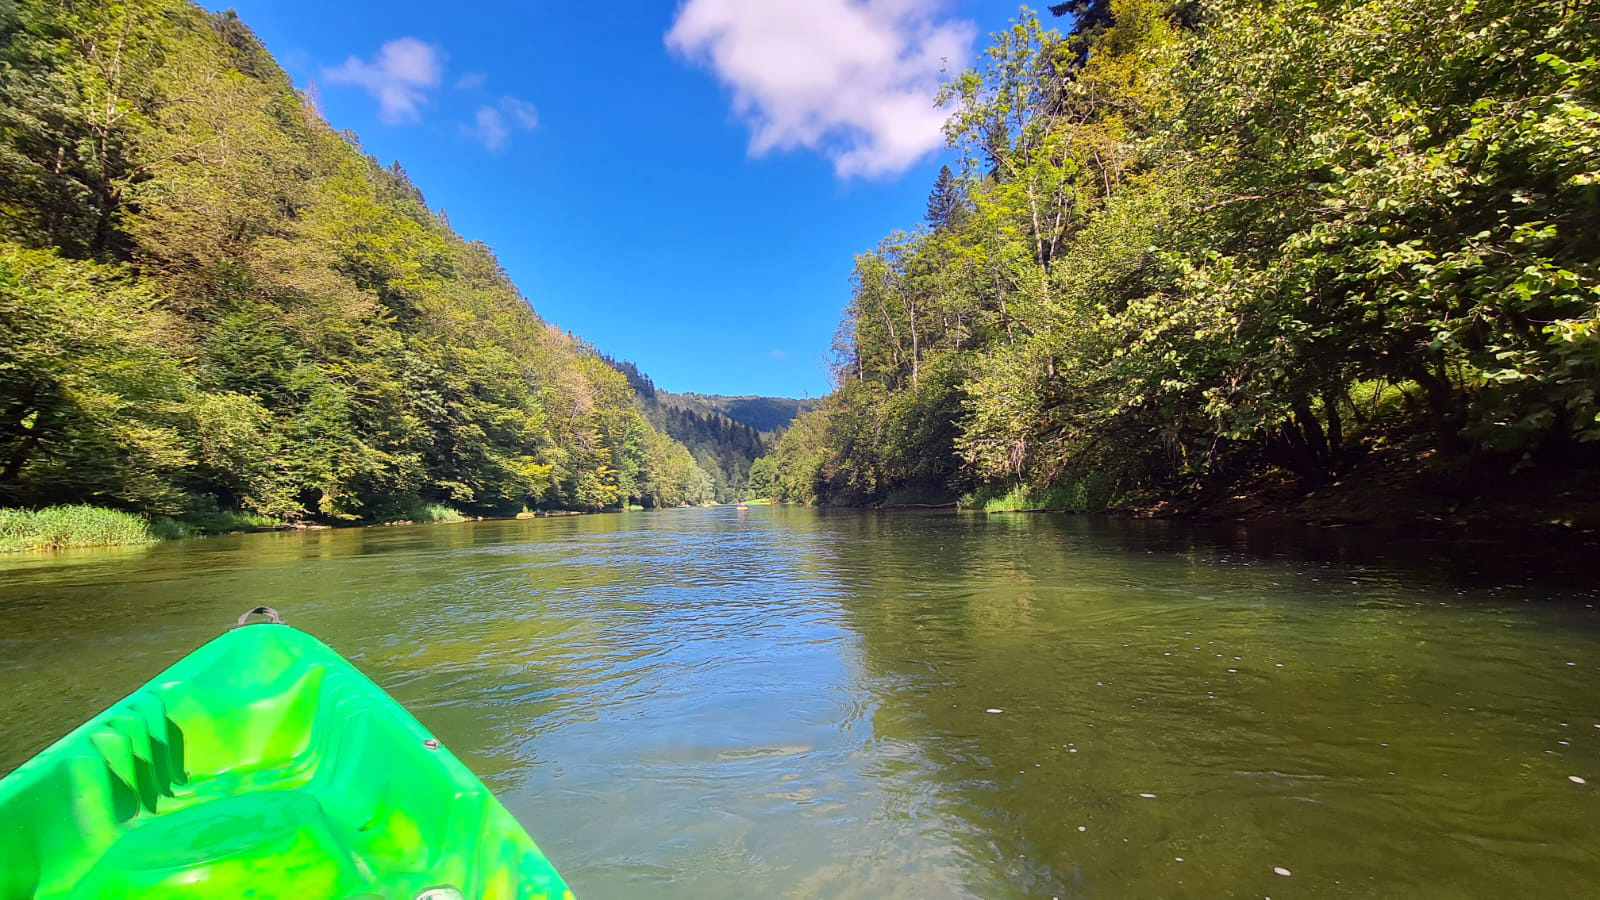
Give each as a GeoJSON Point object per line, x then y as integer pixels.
{"type": "Point", "coordinates": [489, 128]}
{"type": "Point", "coordinates": [521, 112]}
{"type": "Point", "coordinates": [400, 78]}
{"type": "Point", "coordinates": [777, 354]}
{"type": "Point", "coordinates": [492, 126]}
{"type": "Point", "coordinates": [471, 81]}
{"type": "Point", "coordinates": [853, 79]}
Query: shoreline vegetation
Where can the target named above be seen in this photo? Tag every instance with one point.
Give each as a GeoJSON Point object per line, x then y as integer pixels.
{"type": "Point", "coordinates": [66, 527]}
{"type": "Point", "coordinates": [75, 527]}
{"type": "Point", "coordinates": [82, 526]}
{"type": "Point", "coordinates": [1219, 259]}
{"type": "Point", "coordinates": [1241, 260]}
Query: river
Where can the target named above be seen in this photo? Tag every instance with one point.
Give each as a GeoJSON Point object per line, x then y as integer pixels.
{"type": "Point", "coordinates": [785, 702]}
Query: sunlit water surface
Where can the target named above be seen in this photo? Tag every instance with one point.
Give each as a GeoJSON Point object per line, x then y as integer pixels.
{"type": "Point", "coordinates": [781, 702]}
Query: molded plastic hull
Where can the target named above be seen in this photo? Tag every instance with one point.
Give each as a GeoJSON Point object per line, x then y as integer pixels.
{"type": "Point", "coordinates": [261, 765]}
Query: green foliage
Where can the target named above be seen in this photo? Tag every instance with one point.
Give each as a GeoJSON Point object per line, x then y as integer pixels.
{"type": "Point", "coordinates": [63, 527]}
{"type": "Point", "coordinates": [723, 434]}
{"type": "Point", "coordinates": [723, 448]}
{"type": "Point", "coordinates": [93, 402]}
{"type": "Point", "coordinates": [946, 205]}
{"type": "Point", "coordinates": [210, 300]}
{"type": "Point", "coordinates": [417, 512]}
{"type": "Point", "coordinates": [1089, 492]}
{"type": "Point", "coordinates": [800, 458]}
{"type": "Point", "coordinates": [223, 521]}
{"type": "Point", "coordinates": [674, 477]}
{"type": "Point", "coordinates": [763, 481]}
{"type": "Point", "coordinates": [1204, 240]}
{"type": "Point", "coordinates": [767, 415]}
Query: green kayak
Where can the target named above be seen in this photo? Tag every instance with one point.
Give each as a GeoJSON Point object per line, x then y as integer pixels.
{"type": "Point", "coordinates": [261, 765]}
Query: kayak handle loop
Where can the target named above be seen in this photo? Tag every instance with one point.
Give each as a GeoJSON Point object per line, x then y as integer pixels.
{"type": "Point", "coordinates": [272, 617]}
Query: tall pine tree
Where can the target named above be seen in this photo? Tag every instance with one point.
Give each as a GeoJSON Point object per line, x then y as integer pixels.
{"type": "Point", "coordinates": [946, 207]}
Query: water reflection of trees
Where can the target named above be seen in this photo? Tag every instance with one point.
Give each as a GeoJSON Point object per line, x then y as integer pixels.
{"type": "Point", "coordinates": [499, 634]}
{"type": "Point", "coordinates": [1109, 645]}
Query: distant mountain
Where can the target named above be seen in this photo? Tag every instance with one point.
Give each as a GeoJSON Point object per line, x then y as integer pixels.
{"type": "Point", "coordinates": [768, 415]}
{"type": "Point", "coordinates": [723, 434]}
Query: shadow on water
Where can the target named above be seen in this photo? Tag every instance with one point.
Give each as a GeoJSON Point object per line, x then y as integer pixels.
{"type": "Point", "coordinates": [1158, 709]}
{"type": "Point", "coordinates": [824, 703]}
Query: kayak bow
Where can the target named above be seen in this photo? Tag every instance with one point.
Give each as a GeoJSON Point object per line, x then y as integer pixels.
{"type": "Point", "coordinates": [261, 765]}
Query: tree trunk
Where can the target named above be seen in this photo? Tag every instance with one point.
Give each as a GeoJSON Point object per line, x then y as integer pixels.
{"type": "Point", "coordinates": [916, 346]}
{"type": "Point", "coordinates": [1335, 430]}
{"type": "Point", "coordinates": [1441, 403]}
{"type": "Point", "coordinates": [1316, 440]}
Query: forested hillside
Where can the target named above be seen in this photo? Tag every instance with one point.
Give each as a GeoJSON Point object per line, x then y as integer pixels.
{"type": "Point", "coordinates": [769, 415]}
{"type": "Point", "coordinates": [1198, 245]}
{"type": "Point", "coordinates": [722, 447]}
{"type": "Point", "coordinates": [209, 298]}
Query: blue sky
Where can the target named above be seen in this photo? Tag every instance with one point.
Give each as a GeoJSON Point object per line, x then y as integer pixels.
{"type": "Point", "coordinates": [682, 184]}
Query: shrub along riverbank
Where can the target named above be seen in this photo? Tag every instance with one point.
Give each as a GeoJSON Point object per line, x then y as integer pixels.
{"type": "Point", "coordinates": [63, 527]}
{"type": "Point", "coordinates": [80, 525]}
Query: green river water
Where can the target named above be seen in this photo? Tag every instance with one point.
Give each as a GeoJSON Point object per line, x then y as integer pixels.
{"type": "Point", "coordinates": [790, 703]}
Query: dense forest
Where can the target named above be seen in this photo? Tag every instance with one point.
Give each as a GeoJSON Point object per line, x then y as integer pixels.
{"type": "Point", "coordinates": [209, 299]}
{"type": "Point", "coordinates": [1194, 247]}
{"type": "Point", "coordinates": [725, 435]}
{"type": "Point", "coordinates": [722, 447]}
{"type": "Point", "coordinates": [768, 415]}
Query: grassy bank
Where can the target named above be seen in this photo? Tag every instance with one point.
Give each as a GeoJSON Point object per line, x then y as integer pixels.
{"type": "Point", "coordinates": [416, 512]}
{"type": "Point", "coordinates": [65, 527]}
{"type": "Point", "coordinates": [61, 527]}
{"type": "Point", "coordinates": [1088, 493]}
{"type": "Point", "coordinates": [223, 521]}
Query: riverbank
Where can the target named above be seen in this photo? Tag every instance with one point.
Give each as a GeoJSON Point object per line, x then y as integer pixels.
{"type": "Point", "coordinates": [57, 528]}
{"type": "Point", "coordinates": [1399, 483]}
{"type": "Point", "coordinates": [80, 526]}
{"type": "Point", "coordinates": [67, 527]}
{"type": "Point", "coordinates": [1394, 485]}
{"type": "Point", "coordinates": [1402, 484]}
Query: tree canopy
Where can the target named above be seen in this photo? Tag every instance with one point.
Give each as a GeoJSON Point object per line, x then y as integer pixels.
{"type": "Point", "coordinates": [210, 298]}
{"type": "Point", "coordinates": [1201, 240]}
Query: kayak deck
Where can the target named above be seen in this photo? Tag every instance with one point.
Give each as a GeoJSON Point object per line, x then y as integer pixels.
{"type": "Point", "coordinates": [262, 765]}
